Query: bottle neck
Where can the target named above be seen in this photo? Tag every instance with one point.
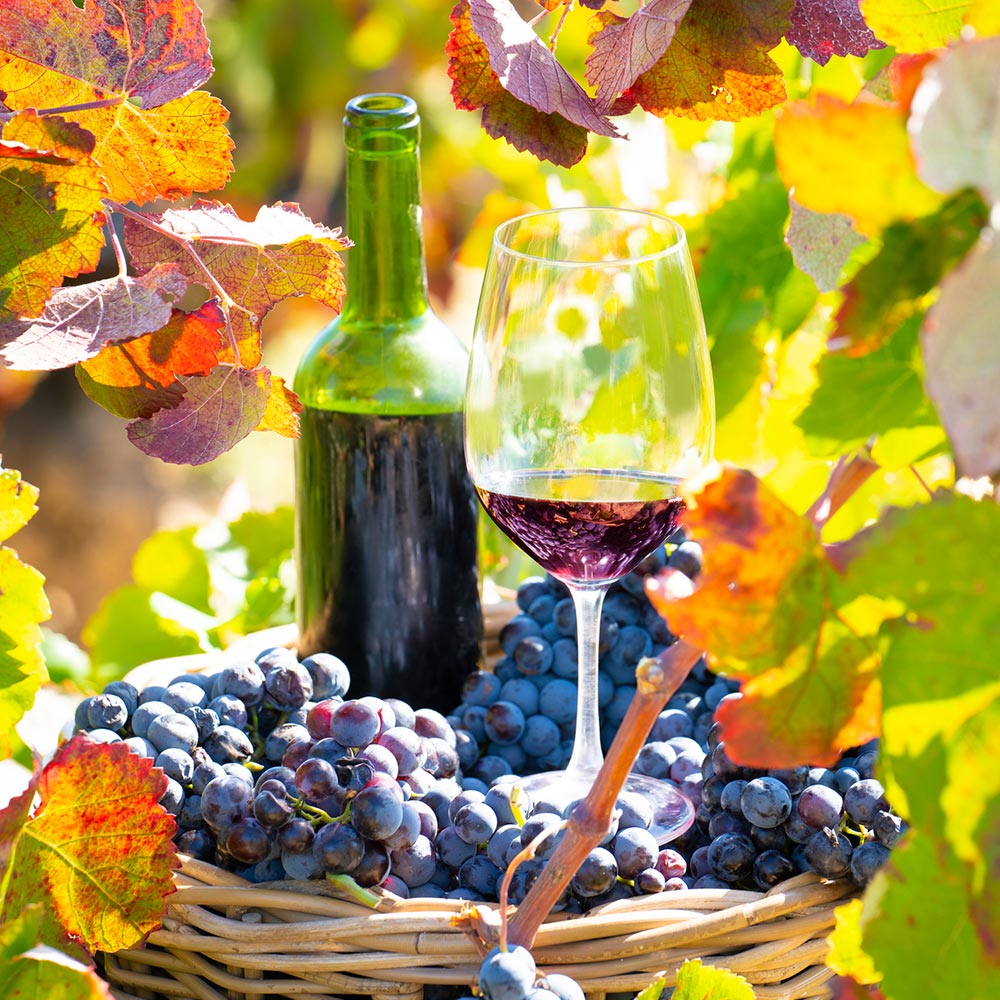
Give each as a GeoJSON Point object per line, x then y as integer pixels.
{"type": "Point", "coordinates": [386, 276]}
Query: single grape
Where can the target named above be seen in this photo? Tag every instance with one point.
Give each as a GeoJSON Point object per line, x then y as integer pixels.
{"type": "Point", "coordinates": [373, 867]}
{"type": "Point", "coordinates": [596, 875]}
{"type": "Point", "coordinates": [272, 810]}
{"type": "Point", "coordinates": [507, 975]}
{"type": "Point", "coordinates": [517, 628]}
{"type": "Point", "coordinates": [866, 860]}
{"type": "Point", "coordinates": [224, 801]}
{"type": "Point", "coordinates": [820, 806]}
{"type": "Point", "coordinates": [107, 711]}
{"type": "Point", "coordinates": [828, 853]}
{"type": "Point", "coordinates": [244, 680]}
{"type": "Point", "coordinates": [766, 802]}
{"type": "Point", "coordinates": [888, 827]}
{"type": "Point", "coordinates": [481, 687]}
{"type": "Point", "coordinates": [770, 868]}
{"type": "Point", "coordinates": [338, 848]}
{"type": "Point", "coordinates": [296, 836]}
{"type": "Point", "coordinates": [731, 856]}
{"type": "Point", "coordinates": [330, 676]}
{"type": "Point", "coordinates": [863, 800]}
{"type": "Point", "coordinates": [228, 744]}
{"type": "Point", "coordinates": [480, 875]}
{"type": "Point", "coordinates": [128, 693]}
{"type": "Point", "coordinates": [173, 730]}
{"type": "Point", "coordinates": [634, 849]}
{"type": "Point", "coordinates": [247, 841]}
{"type": "Point", "coordinates": [185, 694]}
{"type": "Point", "coordinates": [376, 812]}
{"type": "Point", "coordinates": [533, 656]}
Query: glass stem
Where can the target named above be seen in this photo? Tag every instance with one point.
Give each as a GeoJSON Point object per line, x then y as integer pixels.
{"type": "Point", "coordinates": [587, 754]}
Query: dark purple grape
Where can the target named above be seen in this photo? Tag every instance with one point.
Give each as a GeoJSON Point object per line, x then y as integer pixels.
{"type": "Point", "coordinates": [282, 737]}
{"type": "Point", "coordinates": [596, 875]}
{"type": "Point", "coordinates": [828, 853]}
{"type": "Point", "coordinates": [480, 875]}
{"type": "Point", "coordinates": [414, 864]}
{"type": "Point", "coordinates": [533, 656]}
{"type": "Point", "coordinates": [106, 711]}
{"type": "Point", "coordinates": [338, 848]}
{"type": "Point", "coordinates": [126, 691]}
{"type": "Point", "coordinates": [866, 861]}
{"type": "Point", "coordinates": [230, 710]}
{"type": "Point", "coordinates": [504, 723]}
{"type": "Point", "coordinates": [354, 724]}
{"type": "Point", "coordinates": [316, 779]}
{"type": "Point", "coordinates": [888, 827]}
{"type": "Point", "coordinates": [271, 810]}
{"type": "Point", "coordinates": [507, 975]}
{"type": "Point", "coordinates": [475, 823]}
{"type": "Point", "coordinates": [655, 759]}
{"type": "Point", "coordinates": [732, 794]}
{"type": "Point", "coordinates": [244, 680]}
{"type": "Point", "coordinates": [649, 881]}
{"type": "Point", "coordinates": [406, 746]}
{"type": "Point", "coordinates": [772, 867]}
{"type": "Point", "coordinates": [330, 676]}
{"type": "Point", "coordinates": [373, 866]}
{"type": "Point", "coordinates": [184, 694]}
{"type": "Point", "coordinates": [863, 800]}
{"type": "Point", "coordinates": [376, 812]}
{"type": "Point", "coordinates": [731, 856]}
{"type": "Point", "coordinates": [820, 806]}
{"type": "Point", "coordinates": [199, 844]}
{"type": "Point", "coordinates": [225, 800]}
{"type": "Point", "coordinates": [766, 802]}
{"type": "Point", "coordinates": [634, 848]}
{"type": "Point", "coordinates": [247, 841]}
{"type": "Point", "coordinates": [173, 730]}
{"type": "Point", "coordinates": [296, 836]}
{"type": "Point", "coordinates": [227, 744]}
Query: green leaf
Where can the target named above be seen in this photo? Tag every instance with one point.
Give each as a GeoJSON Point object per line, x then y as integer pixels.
{"type": "Point", "coordinates": [704, 982]}
{"type": "Point", "coordinates": [821, 243]}
{"type": "Point", "coordinates": [847, 957]}
{"type": "Point", "coordinates": [653, 991]}
{"type": "Point", "coordinates": [915, 25]}
{"type": "Point", "coordinates": [267, 537]}
{"type": "Point", "coordinates": [127, 630]}
{"type": "Point", "coordinates": [939, 669]}
{"type": "Point", "coordinates": [859, 398]}
{"type": "Point", "coordinates": [23, 607]}
{"type": "Point", "coordinates": [43, 973]}
{"type": "Point", "coordinates": [171, 562]}
{"type": "Point", "coordinates": [20, 932]}
{"type": "Point", "coordinates": [924, 895]}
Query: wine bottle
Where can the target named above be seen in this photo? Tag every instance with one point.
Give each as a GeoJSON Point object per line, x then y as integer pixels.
{"type": "Point", "coordinates": [386, 514]}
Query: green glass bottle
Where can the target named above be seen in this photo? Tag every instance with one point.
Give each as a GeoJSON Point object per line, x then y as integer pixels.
{"type": "Point", "coordinates": [386, 513]}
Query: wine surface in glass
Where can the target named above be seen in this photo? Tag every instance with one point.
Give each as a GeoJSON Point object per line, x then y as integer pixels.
{"type": "Point", "coordinates": [584, 525]}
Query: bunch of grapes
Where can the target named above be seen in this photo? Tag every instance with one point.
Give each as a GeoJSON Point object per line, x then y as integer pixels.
{"type": "Point", "coordinates": [272, 772]}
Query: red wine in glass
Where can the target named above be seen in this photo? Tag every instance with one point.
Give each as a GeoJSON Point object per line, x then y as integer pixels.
{"type": "Point", "coordinates": [586, 540]}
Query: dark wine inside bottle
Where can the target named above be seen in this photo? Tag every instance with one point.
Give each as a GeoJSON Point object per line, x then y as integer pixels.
{"type": "Point", "coordinates": [395, 592]}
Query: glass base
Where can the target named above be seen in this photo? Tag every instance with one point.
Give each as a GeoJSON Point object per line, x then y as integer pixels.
{"type": "Point", "coordinates": [556, 791]}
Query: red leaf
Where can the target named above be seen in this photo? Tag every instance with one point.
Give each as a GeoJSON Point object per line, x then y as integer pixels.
{"type": "Point", "coordinates": [218, 410]}
{"type": "Point", "coordinates": [52, 193]}
{"type": "Point", "coordinates": [717, 65]}
{"type": "Point", "coordinates": [154, 49]}
{"type": "Point", "coordinates": [625, 47]}
{"type": "Point", "coordinates": [281, 254]}
{"type": "Point", "coordinates": [138, 378]}
{"type": "Point", "coordinates": [79, 320]}
{"type": "Point", "coordinates": [527, 68]}
{"type": "Point", "coordinates": [474, 85]}
{"type": "Point", "coordinates": [781, 623]}
{"type": "Point", "coordinates": [823, 28]}
{"type": "Point", "coordinates": [97, 852]}
{"type": "Point", "coordinates": [126, 71]}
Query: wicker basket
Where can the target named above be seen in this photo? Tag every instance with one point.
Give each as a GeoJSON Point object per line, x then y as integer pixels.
{"type": "Point", "coordinates": [224, 938]}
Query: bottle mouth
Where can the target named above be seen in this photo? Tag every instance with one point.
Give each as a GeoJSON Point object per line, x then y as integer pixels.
{"type": "Point", "coordinates": [381, 111]}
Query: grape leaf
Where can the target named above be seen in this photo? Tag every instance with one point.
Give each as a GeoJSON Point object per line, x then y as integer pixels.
{"type": "Point", "coordinates": [844, 988]}
{"type": "Point", "coordinates": [787, 626]}
{"type": "Point", "coordinates": [705, 982]}
{"type": "Point", "coordinates": [97, 851]}
{"type": "Point", "coordinates": [821, 244]}
{"type": "Point", "coordinates": [156, 135]}
{"type": "Point", "coordinates": [475, 86]}
{"type": "Point", "coordinates": [527, 68]}
{"type": "Point", "coordinates": [23, 607]}
{"type": "Point", "coordinates": [817, 146]}
{"type": "Point", "coordinates": [717, 66]}
{"type": "Point", "coordinates": [860, 397]}
{"type": "Point", "coordinates": [281, 414]}
{"type": "Point", "coordinates": [79, 320]}
{"type": "Point", "coordinates": [955, 120]}
{"type": "Point", "coordinates": [140, 377]}
{"type": "Point", "coordinates": [823, 28]}
{"type": "Point", "coordinates": [911, 262]}
{"type": "Point", "coordinates": [625, 47]}
{"type": "Point", "coordinates": [50, 197]}
{"type": "Point", "coordinates": [847, 957]}
{"type": "Point", "coordinates": [216, 412]}
{"type": "Point", "coordinates": [930, 559]}
{"type": "Point", "coordinates": [985, 909]}
{"type": "Point", "coordinates": [915, 25]}
{"type": "Point", "coordinates": [281, 254]}
{"type": "Point", "coordinates": [44, 972]}
{"type": "Point", "coordinates": [962, 357]}
{"type": "Point", "coordinates": [924, 900]}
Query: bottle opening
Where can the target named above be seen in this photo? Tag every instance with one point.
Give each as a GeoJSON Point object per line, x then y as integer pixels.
{"type": "Point", "coordinates": [388, 111]}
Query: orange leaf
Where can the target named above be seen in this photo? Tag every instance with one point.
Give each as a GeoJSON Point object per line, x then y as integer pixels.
{"type": "Point", "coordinates": [141, 63]}
{"type": "Point", "coordinates": [50, 201]}
{"type": "Point", "coordinates": [827, 159]}
{"type": "Point", "coordinates": [283, 409]}
{"type": "Point", "coordinates": [278, 255]}
{"type": "Point", "coordinates": [97, 851]}
{"type": "Point", "coordinates": [717, 66]}
{"type": "Point", "coordinates": [772, 612]}
{"type": "Point", "coordinates": [138, 378]}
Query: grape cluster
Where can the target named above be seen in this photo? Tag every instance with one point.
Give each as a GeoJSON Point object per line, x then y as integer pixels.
{"type": "Point", "coordinates": [273, 772]}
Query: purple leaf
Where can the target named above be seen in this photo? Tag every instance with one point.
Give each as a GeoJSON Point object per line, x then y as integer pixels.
{"type": "Point", "coordinates": [962, 358]}
{"type": "Point", "coordinates": [820, 243]}
{"type": "Point", "coordinates": [218, 410]}
{"type": "Point", "coordinates": [528, 69]}
{"type": "Point", "coordinates": [626, 47]}
{"type": "Point", "coordinates": [823, 28]}
{"type": "Point", "coordinates": [81, 319]}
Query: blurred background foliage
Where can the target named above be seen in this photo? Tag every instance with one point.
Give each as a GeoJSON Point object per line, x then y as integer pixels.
{"type": "Point", "coordinates": [285, 72]}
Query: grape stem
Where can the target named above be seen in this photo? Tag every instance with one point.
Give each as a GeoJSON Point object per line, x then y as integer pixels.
{"type": "Point", "coordinates": [656, 680]}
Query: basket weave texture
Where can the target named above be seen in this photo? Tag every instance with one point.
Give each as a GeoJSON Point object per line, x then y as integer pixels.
{"type": "Point", "coordinates": [226, 939]}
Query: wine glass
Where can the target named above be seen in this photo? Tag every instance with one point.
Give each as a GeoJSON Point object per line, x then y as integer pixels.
{"type": "Point", "coordinates": [589, 401]}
